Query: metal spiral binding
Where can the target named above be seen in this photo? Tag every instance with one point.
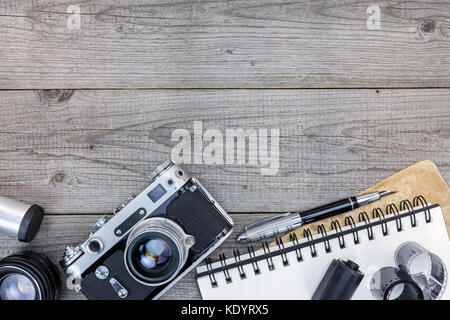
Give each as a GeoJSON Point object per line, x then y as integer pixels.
{"type": "Point", "coordinates": [326, 242]}
{"type": "Point", "coordinates": [223, 262]}
{"type": "Point", "coordinates": [307, 234]}
{"type": "Point", "coordinates": [212, 277]}
{"type": "Point", "coordinates": [349, 221]}
{"type": "Point", "coordinates": [392, 211]}
{"type": "Point", "coordinates": [378, 213]}
{"type": "Point", "coordinates": [363, 216]}
{"type": "Point", "coordinates": [237, 257]}
{"type": "Point", "coordinates": [293, 238]}
{"type": "Point", "coordinates": [421, 200]}
{"type": "Point", "coordinates": [268, 257]}
{"type": "Point", "coordinates": [392, 208]}
{"type": "Point", "coordinates": [407, 205]}
{"type": "Point", "coordinates": [251, 253]}
{"type": "Point", "coordinates": [335, 225]}
{"type": "Point", "coordinates": [280, 245]}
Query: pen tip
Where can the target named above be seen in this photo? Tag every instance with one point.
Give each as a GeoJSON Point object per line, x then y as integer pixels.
{"type": "Point", "coordinates": [386, 193]}
{"type": "Point", "coordinates": [241, 238]}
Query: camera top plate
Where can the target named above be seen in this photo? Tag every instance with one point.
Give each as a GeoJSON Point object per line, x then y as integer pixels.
{"type": "Point", "coordinates": [170, 179]}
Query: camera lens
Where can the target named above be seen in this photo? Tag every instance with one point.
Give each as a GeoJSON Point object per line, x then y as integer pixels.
{"type": "Point", "coordinates": [156, 251]}
{"type": "Point", "coordinates": [17, 287]}
{"type": "Point", "coordinates": [29, 276]}
{"type": "Point", "coordinates": [153, 257]}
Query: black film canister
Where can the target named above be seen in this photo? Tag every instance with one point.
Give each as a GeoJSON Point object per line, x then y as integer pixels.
{"type": "Point", "coordinates": [340, 281]}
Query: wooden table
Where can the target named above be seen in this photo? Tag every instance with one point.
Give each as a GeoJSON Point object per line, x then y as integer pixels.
{"type": "Point", "coordinates": [87, 113]}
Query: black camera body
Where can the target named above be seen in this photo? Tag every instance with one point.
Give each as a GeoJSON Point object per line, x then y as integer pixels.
{"type": "Point", "coordinates": [151, 243]}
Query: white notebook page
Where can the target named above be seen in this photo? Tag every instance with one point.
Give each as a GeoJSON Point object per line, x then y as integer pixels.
{"type": "Point", "coordinates": [299, 280]}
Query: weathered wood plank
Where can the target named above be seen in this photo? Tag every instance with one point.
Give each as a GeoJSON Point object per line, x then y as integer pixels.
{"type": "Point", "coordinates": [224, 44]}
{"type": "Point", "coordinates": [87, 151]}
{"type": "Point", "coordinates": [59, 231]}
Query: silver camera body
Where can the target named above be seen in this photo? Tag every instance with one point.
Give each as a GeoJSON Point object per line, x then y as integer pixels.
{"type": "Point", "coordinates": [151, 242]}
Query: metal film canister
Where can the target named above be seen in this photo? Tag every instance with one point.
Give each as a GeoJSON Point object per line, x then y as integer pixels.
{"type": "Point", "coordinates": [391, 283]}
{"type": "Point", "coordinates": [340, 281]}
{"type": "Point", "coordinates": [424, 267]}
{"type": "Point", "coordinates": [20, 220]}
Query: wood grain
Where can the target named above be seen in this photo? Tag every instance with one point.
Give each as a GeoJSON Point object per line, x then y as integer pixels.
{"type": "Point", "coordinates": [86, 151]}
{"type": "Point", "coordinates": [80, 152]}
{"type": "Point", "coordinates": [57, 232]}
{"type": "Point", "coordinates": [224, 44]}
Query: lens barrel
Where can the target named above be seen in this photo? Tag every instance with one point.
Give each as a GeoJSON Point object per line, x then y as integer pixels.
{"type": "Point", "coordinates": [156, 250]}
{"type": "Point", "coordinates": [20, 220]}
{"type": "Point", "coordinates": [20, 274]}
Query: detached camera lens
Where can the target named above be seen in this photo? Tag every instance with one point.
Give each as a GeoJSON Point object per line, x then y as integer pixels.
{"type": "Point", "coordinates": [29, 276]}
{"type": "Point", "coordinates": [16, 286]}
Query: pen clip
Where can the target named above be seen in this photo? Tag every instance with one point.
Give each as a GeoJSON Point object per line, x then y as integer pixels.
{"type": "Point", "coordinates": [267, 220]}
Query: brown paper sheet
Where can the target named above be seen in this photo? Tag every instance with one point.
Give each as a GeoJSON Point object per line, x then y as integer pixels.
{"type": "Point", "coordinates": [422, 178]}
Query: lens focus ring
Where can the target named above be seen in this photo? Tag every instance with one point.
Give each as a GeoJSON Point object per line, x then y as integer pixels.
{"type": "Point", "coordinates": [30, 276]}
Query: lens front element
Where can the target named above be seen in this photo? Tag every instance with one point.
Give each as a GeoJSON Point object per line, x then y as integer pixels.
{"type": "Point", "coordinates": [155, 253]}
{"type": "Point", "coordinates": [153, 257]}
{"type": "Point", "coordinates": [156, 250]}
{"type": "Point", "coordinates": [16, 286]}
{"type": "Point", "coordinates": [28, 276]}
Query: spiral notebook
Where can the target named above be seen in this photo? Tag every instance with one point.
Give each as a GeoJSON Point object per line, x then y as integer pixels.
{"type": "Point", "coordinates": [293, 269]}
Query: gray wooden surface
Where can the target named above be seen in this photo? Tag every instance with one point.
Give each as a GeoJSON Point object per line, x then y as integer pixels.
{"type": "Point", "coordinates": [86, 114]}
{"type": "Point", "coordinates": [223, 44]}
{"type": "Point", "coordinates": [89, 152]}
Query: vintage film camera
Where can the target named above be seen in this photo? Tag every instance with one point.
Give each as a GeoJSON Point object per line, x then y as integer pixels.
{"type": "Point", "coordinates": [151, 242]}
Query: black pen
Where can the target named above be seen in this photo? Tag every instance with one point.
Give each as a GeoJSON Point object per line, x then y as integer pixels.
{"type": "Point", "coordinates": [289, 221]}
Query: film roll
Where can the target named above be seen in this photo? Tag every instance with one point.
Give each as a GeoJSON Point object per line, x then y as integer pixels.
{"type": "Point", "coordinates": [391, 283]}
{"type": "Point", "coordinates": [419, 275]}
{"type": "Point", "coordinates": [424, 267]}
